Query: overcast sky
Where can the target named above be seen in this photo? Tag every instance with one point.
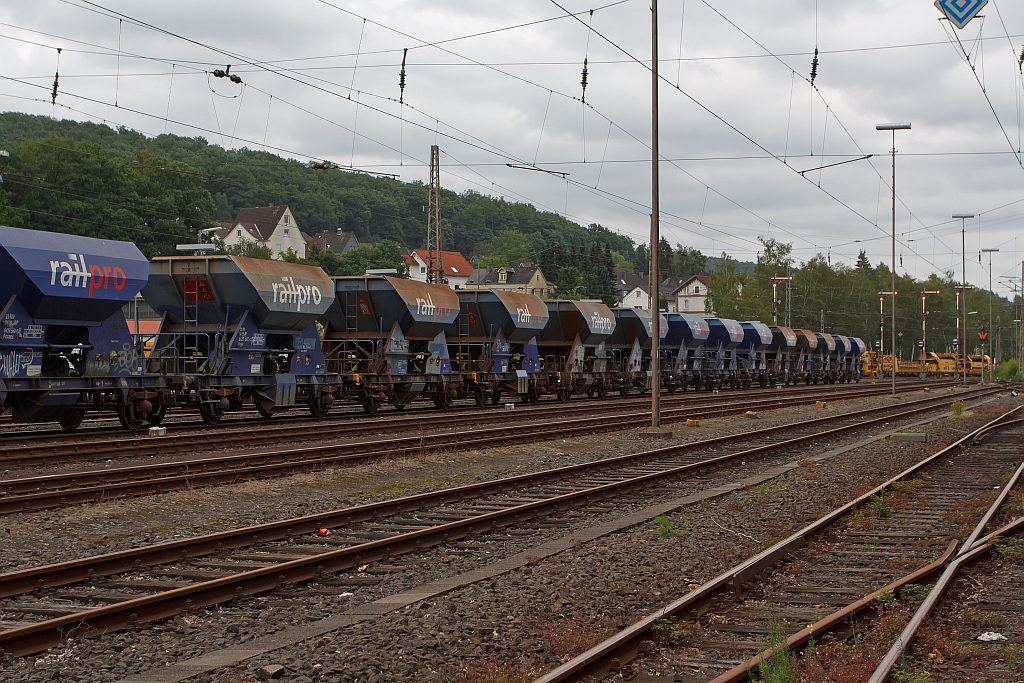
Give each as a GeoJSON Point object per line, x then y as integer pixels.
{"type": "Point", "coordinates": [320, 81]}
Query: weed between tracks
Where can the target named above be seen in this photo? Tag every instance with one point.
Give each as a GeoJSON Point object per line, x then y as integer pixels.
{"type": "Point", "coordinates": [852, 660]}
{"type": "Point", "coordinates": [882, 505]}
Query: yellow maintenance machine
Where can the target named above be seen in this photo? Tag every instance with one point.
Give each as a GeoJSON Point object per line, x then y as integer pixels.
{"type": "Point", "coordinates": [933, 364]}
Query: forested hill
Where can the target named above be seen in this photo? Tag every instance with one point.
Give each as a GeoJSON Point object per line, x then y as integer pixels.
{"type": "Point", "coordinates": [91, 179]}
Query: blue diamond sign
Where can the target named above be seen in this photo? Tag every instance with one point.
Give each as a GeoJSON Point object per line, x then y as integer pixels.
{"type": "Point", "coordinates": [960, 12]}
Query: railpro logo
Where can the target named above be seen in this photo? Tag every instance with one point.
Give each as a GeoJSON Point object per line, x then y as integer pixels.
{"type": "Point", "coordinates": [75, 273]}
{"type": "Point", "coordinates": [288, 292]}
{"type": "Point", "coordinates": [427, 307]}
{"type": "Point", "coordinates": [526, 317]}
{"type": "Point", "coordinates": [601, 324]}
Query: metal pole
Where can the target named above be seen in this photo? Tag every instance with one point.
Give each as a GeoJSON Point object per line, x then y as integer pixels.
{"type": "Point", "coordinates": [893, 290]}
{"type": "Point", "coordinates": [963, 289]}
{"type": "Point", "coordinates": [991, 376]}
{"type": "Point", "coordinates": [655, 232]}
{"type": "Point", "coordinates": [775, 303]}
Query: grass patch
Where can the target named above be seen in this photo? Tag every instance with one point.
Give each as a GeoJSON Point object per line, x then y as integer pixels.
{"type": "Point", "coordinates": [780, 666]}
{"type": "Point", "coordinates": [668, 529]}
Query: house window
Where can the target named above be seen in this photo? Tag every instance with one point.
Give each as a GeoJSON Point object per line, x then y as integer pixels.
{"type": "Point", "coordinates": [277, 248]}
{"type": "Point", "coordinates": [423, 269]}
{"type": "Point", "coordinates": [639, 294]}
{"type": "Point", "coordinates": [286, 222]}
{"type": "Point", "coordinates": [686, 304]}
{"type": "Point", "coordinates": [286, 232]}
{"type": "Point", "coordinates": [238, 233]}
{"type": "Point", "coordinates": [696, 289]}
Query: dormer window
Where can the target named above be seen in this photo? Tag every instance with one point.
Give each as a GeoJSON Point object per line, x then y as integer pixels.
{"type": "Point", "coordinates": [502, 277]}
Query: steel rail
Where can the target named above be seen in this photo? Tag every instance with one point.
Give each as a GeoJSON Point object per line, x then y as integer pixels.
{"type": "Point", "coordinates": [40, 636]}
{"type": "Point", "coordinates": [127, 444]}
{"type": "Point", "coordinates": [36, 492]}
{"type": "Point", "coordinates": [624, 646]}
{"type": "Point", "coordinates": [970, 551]}
{"type": "Point", "coordinates": [74, 571]}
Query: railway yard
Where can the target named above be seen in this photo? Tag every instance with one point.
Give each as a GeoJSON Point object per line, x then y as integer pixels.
{"type": "Point", "coordinates": [505, 544]}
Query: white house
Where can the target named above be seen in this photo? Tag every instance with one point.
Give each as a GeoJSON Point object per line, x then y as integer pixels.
{"type": "Point", "coordinates": [690, 296]}
{"type": "Point", "coordinates": [631, 291]}
{"type": "Point", "coordinates": [271, 226]}
{"type": "Point", "coordinates": [456, 268]}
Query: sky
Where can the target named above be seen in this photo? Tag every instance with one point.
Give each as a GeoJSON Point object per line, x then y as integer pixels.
{"type": "Point", "coordinates": [499, 83]}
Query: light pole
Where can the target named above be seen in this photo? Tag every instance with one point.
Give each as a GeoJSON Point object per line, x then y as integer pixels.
{"type": "Point", "coordinates": [990, 326]}
{"type": "Point", "coordinates": [881, 332]}
{"type": "Point", "coordinates": [655, 230]}
{"type": "Point", "coordinates": [924, 323]}
{"type": "Point", "coordinates": [893, 127]}
{"type": "Point", "coordinates": [963, 284]}
{"type": "Point", "coordinates": [775, 299]}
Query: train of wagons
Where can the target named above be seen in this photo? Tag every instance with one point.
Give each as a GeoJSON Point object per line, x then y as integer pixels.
{"type": "Point", "coordinates": [240, 333]}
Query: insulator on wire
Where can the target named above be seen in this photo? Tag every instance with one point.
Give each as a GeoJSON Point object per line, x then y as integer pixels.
{"type": "Point", "coordinates": [1020, 60]}
{"type": "Point", "coordinates": [401, 78]}
{"type": "Point", "coordinates": [814, 66]}
{"type": "Point", "coordinates": [226, 73]}
{"type": "Point", "coordinates": [56, 79]}
{"type": "Point", "coordinates": [584, 81]}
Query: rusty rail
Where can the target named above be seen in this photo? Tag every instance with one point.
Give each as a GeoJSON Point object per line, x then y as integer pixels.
{"type": "Point", "coordinates": [26, 494]}
{"type": "Point", "coordinates": [624, 646]}
{"type": "Point", "coordinates": [42, 635]}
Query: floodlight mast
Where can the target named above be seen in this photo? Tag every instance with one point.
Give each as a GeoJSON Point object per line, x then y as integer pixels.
{"type": "Point", "coordinates": [991, 377]}
{"type": "Point", "coordinates": [963, 285]}
{"type": "Point", "coordinates": [893, 127]}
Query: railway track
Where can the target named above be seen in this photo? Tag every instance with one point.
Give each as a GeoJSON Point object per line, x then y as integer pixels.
{"type": "Point", "coordinates": [860, 556]}
{"type": "Point", "coordinates": [57, 489]}
{"type": "Point", "coordinates": [43, 606]}
{"type": "Point", "coordinates": [66, 447]}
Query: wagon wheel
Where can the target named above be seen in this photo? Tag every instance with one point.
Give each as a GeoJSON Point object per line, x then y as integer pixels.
{"type": "Point", "coordinates": [317, 407]}
{"type": "Point", "coordinates": [370, 405]}
{"type": "Point", "coordinates": [478, 396]}
{"type": "Point", "coordinates": [442, 400]}
{"type": "Point", "coordinates": [156, 416]}
{"type": "Point", "coordinates": [671, 387]}
{"type": "Point", "coordinates": [211, 412]}
{"type": "Point", "coordinates": [591, 390]}
{"type": "Point", "coordinates": [129, 416]}
{"type": "Point", "coordinates": [496, 397]}
{"type": "Point", "coordinates": [71, 420]}
{"type": "Point", "coordinates": [602, 390]}
{"type": "Point", "coordinates": [563, 394]}
{"type": "Point", "coordinates": [533, 395]}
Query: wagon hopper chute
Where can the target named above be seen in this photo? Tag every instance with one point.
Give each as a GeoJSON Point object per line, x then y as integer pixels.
{"type": "Point", "coordinates": [388, 335]}
{"type": "Point", "coordinates": [573, 346]}
{"type": "Point", "coordinates": [65, 346]}
{"type": "Point", "coordinates": [631, 344]}
{"type": "Point", "coordinates": [235, 328]}
{"type": "Point", "coordinates": [495, 339]}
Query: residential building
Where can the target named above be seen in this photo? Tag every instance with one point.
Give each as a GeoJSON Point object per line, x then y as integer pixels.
{"type": "Point", "coordinates": [632, 291]}
{"type": "Point", "coordinates": [457, 270]}
{"type": "Point", "coordinates": [526, 279]}
{"type": "Point", "coordinates": [691, 295]}
{"type": "Point", "coordinates": [271, 226]}
{"type": "Point", "coordinates": [339, 242]}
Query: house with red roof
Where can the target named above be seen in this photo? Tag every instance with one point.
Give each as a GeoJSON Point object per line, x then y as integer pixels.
{"type": "Point", "coordinates": [456, 268]}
